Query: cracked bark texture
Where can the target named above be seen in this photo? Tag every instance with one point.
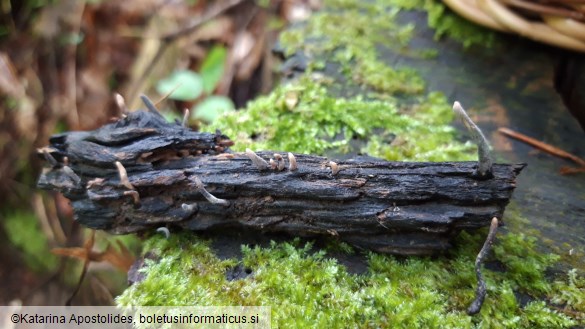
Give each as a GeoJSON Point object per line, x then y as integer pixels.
{"type": "Point", "coordinates": [393, 207]}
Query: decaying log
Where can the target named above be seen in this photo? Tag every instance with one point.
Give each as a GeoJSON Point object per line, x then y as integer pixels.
{"type": "Point", "coordinates": [141, 173]}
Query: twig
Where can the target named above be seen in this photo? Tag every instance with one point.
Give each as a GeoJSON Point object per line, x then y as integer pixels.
{"type": "Point", "coordinates": [171, 37]}
{"type": "Point", "coordinates": [87, 247]}
{"type": "Point", "coordinates": [193, 25]}
{"type": "Point", "coordinates": [571, 170]}
{"type": "Point", "coordinates": [542, 146]}
{"type": "Point", "coordinates": [481, 290]}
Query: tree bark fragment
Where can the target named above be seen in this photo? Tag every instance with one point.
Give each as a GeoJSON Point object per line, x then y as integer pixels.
{"type": "Point", "coordinates": [393, 207]}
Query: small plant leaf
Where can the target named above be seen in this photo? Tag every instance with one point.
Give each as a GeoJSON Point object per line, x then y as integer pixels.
{"type": "Point", "coordinates": [212, 107]}
{"type": "Point", "coordinates": [183, 85]}
{"type": "Point", "coordinates": [212, 68]}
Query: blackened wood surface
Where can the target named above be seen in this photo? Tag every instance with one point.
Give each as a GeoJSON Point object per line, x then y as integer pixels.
{"type": "Point", "coordinates": [394, 207]}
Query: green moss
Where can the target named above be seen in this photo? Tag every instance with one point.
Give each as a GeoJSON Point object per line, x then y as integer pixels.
{"type": "Point", "coordinates": [569, 294]}
{"type": "Point", "coordinates": [526, 265]}
{"type": "Point", "coordinates": [448, 24]}
{"type": "Point", "coordinates": [307, 289]}
{"type": "Point", "coordinates": [307, 117]}
{"type": "Point", "coordinates": [24, 232]}
{"type": "Point", "coordinates": [351, 33]}
{"type": "Point", "coordinates": [304, 117]}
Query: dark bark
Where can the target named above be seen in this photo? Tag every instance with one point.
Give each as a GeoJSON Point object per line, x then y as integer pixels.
{"type": "Point", "coordinates": [394, 207]}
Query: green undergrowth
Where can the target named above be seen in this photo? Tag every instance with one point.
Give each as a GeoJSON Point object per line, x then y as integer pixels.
{"type": "Point", "coordinates": [304, 117]}
{"type": "Point", "coordinates": [24, 232]}
{"type": "Point", "coordinates": [307, 289]}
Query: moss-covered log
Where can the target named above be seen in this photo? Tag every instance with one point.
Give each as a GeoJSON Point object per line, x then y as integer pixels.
{"type": "Point", "coordinates": [142, 173]}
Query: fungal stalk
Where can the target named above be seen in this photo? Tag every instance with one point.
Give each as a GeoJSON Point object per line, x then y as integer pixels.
{"type": "Point", "coordinates": [135, 196]}
{"type": "Point", "coordinates": [292, 162]}
{"type": "Point", "coordinates": [484, 168]}
{"type": "Point", "coordinates": [260, 163]}
{"type": "Point", "coordinates": [210, 197]}
{"type": "Point", "coordinates": [150, 105]}
{"type": "Point", "coordinates": [67, 170]}
{"type": "Point", "coordinates": [121, 103]}
{"type": "Point", "coordinates": [164, 231]}
{"type": "Point", "coordinates": [189, 206]}
{"type": "Point", "coordinates": [279, 161]}
{"type": "Point", "coordinates": [185, 118]}
{"type": "Point", "coordinates": [481, 290]}
{"type": "Point", "coordinates": [124, 181]}
{"type": "Point", "coordinates": [335, 168]}
{"type": "Point", "coordinates": [50, 159]}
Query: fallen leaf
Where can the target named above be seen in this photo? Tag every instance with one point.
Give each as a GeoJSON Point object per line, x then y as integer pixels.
{"type": "Point", "coordinates": [184, 85]}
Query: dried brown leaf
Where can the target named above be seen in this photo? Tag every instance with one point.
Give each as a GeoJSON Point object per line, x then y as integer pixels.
{"type": "Point", "coordinates": [75, 252]}
{"type": "Point", "coordinates": [120, 258]}
{"type": "Point", "coordinates": [9, 82]}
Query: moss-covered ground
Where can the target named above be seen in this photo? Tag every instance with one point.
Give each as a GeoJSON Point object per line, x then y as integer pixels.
{"type": "Point", "coordinates": [304, 286]}
{"type": "Point", "coordinates": [308, 290]}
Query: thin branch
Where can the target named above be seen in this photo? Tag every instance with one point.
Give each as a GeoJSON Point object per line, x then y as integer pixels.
{"type": "Point", "coordinates": [194, 24]}
{"type": "Point", "coordinates": [169, 38]}
{"type": "Point", "coordinates": [571, 170]}
{"type": "Point", "coordinates": [542, 146]}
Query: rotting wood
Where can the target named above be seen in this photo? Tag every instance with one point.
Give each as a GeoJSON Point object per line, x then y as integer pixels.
{"type": "Point", "coordinates": [171, 176]}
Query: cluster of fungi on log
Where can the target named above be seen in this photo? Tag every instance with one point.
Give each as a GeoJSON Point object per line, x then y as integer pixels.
{"type": "Point", "coordinates": [142, 172]}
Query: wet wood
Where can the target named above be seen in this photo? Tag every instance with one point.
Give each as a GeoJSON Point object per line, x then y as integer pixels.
{"type": "Point", "coordinates": [178, 178]}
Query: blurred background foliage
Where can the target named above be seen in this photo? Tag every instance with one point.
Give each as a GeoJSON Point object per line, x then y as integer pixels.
{"type": "Point", "coordinates": [61, 61]}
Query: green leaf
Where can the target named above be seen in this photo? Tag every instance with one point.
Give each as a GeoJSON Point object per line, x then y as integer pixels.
{"type": "Point", "coordinates": [171, 116]}
{"type": "Point", "coordinates": [185, 85]}
{"type": "Point", "coordinates": [212, 107]}
{"type": "Point", "coordinates": [213, 67]}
